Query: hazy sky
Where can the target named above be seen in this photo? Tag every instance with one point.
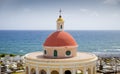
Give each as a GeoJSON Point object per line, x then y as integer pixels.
{"type": "Point", "coordinates": [42, 14]}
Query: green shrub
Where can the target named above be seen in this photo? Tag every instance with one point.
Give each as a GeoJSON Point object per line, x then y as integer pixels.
{"type": "Point", "coordinates": [2, 55]}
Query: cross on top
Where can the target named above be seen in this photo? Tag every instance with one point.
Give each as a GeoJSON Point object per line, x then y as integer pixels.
{"type": "Point", "coordinates": [60, 11]}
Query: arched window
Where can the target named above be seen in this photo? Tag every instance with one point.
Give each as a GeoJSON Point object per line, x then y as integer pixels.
{"type": "Point", "coordinates": [54, 72]}
{"type": "Point", "coordinates": [68, 53]}
{"type": "Point", "coordinates": [79, 72]}
{"type": "Point", "coordinates": [45, 52]}
{"type": "Point", "coordinates": [67, 72]}
{"type": "Point", "coordinates": [42, 72]}
{"type": "Point", "coordinates": [33, 71]}
{"type": "Point", "coordinates": [55, 53]}
{"type": "Point", "coordinates": [61, 26]}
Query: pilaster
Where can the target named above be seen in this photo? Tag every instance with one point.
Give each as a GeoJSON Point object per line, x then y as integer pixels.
{"type": "Point", "coordinates": [91, 72]}
{"type": "Point", "coordinates": [73, 71]}
{"type": "Point", "coordinates": [84, 70]}
{"type": "Point", "coordinates": [48, 70]}
{"type": "Point", "coordinates": [28, 69]}
{"type": "Point", "coordinates": [94, 70]}
{"type": "Point", "coordinates": [61, 70]}
{"type": "Point", "coordinates": [37, 71]}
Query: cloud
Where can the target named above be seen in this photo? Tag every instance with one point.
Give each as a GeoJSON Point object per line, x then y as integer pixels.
{"type": "Point", "coordinates": [112, 2]}
{"type": "Point", "coordinates": [84, 10]}
{"type": "Point", "coordinates": [89, 12]}
{"type": "Point", "coordinates": [94, 14]}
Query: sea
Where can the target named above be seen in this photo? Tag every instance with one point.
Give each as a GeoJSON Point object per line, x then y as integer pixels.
{"type": "Point", "coordinates": [26, 41]}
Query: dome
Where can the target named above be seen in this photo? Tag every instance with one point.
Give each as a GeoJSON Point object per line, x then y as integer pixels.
{"type": "Point", "coordinates": [60, 38]}
{"type": "Point", "coordinates": [60, 19]}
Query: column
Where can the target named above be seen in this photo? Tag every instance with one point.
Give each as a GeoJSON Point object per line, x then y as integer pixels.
{"type": "Point", "coordinates": [73, 71]}
{"type": "Point", "coordinates": [48, 70]}
{"type": "Point", "coordinates": [28, 69]}
{"type": "Point", "coordinates": [61, 70]}
{"type": "Point", "coordinates": [37, 70]}
{"type": "Point", "coordinates": [84, 70]}
{"type": "Point", "coordinates": [91, 70]}
{"type": "Point", "coordinates": [94, 70]}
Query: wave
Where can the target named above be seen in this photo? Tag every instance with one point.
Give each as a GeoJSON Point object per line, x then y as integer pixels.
{"type": "Point", "coordinates": [107, 54]}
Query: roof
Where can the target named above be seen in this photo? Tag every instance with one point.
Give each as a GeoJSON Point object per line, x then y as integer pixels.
{"type": "Point", "coordinates": [60, 38]}
{"type": "Point", "coordinates": [60, 20]}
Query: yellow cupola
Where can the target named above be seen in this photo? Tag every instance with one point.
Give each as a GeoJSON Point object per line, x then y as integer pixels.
{"type": "Point", "coordinates": [60, 19]}
{"type": "Point", "coordinates": [60, 23]}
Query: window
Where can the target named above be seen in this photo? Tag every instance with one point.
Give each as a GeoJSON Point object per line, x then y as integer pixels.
{"type": "Point", "coordinates": [45, 52]}
{"type": "Point", "coordinates": [67, 72]}
{"type": "Point", "coordinates": [42, 72]}
{"type": "Point", "coordinates": [54, 72]}
{"type": "Point", "coordinates": [68, 53]}
{"type": "Point", "coordinates": [55, 53]}
{"type": "Point", "coordinates": [61, 26]}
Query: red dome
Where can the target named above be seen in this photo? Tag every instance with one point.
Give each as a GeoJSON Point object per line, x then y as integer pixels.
{"type": "Point", "coordinates": [60, 38]}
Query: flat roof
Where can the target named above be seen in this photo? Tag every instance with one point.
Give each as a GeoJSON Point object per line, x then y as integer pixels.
{"type": "Point", "coordinates": [81, 56]}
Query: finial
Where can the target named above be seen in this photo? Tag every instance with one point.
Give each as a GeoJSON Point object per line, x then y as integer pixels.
{"type": "Point", "coordinates": [60, 11]}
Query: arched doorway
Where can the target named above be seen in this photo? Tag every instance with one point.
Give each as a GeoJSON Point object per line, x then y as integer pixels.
{"type": "Point", "coordinates": [42, 72]}
{"type": "Point", "coordinates": [27, 70]}
{"type": "Point", "coordinates": [79, 72]}
{"type": "Point", "coordinates": [67, 72]}
{"type": "Point", "coordinates": [54, 72]}
{"type": "Point", "coordinates": [32, 71]}
{"type": "Point", "coordinates": [55, 53]}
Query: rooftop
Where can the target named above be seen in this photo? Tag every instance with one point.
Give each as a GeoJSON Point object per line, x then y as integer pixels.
{"type": "Point", "coordinates": [60, 38]}
{"type": "Point", "coordinates": [81, 57]}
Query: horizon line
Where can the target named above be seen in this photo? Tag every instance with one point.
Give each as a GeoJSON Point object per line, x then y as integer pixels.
{"type": "Point", "coordinates": [56, 30]}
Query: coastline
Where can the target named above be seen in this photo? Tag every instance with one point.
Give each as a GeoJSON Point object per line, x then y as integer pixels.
{"type": "Point", "coordinates": [4, 54]}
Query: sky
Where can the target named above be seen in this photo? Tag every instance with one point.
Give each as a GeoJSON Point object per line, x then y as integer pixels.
{"type": "Point", "coordinates": [42, 14]}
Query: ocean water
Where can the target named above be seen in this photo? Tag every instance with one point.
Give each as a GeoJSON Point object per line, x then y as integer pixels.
{"type": "Point", "coordinates": [22, 42]}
